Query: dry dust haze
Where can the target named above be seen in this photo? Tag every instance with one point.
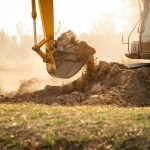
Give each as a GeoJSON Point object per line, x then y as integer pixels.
{"type": "Point", "coordinates": [18, 62]}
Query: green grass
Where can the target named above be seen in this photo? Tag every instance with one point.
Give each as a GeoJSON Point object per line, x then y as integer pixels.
{"type": "Point", "coordinates": [32, 126]}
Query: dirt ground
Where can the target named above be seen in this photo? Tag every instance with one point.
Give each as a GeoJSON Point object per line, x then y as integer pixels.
{"type": "Point", "coordinates": [102, 84]}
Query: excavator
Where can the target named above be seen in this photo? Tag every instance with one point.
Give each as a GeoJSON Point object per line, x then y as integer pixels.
{"type": "Point", "coordinates": [141, 49]}
{"type": "Point", "coordinates": [66, 61]}
{"type": "Point", "coordinates": [64, 57]}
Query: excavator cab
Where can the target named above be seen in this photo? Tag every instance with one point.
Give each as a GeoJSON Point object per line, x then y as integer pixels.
{"type": "Point", "coordinates": [141, 49]}
{"type": "Point", "coordinates": [65, 56]}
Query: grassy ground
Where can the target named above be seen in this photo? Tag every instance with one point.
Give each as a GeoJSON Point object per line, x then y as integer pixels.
{"type": "Point", "coordinates": [32, 126]}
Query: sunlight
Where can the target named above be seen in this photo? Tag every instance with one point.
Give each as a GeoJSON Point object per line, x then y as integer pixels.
{"type": "Point", "coordinates": [80, 16]}
{"type": "Point", "coordinates": [77, 15]}
{"type": "Point", "coordinates": [120, 24]}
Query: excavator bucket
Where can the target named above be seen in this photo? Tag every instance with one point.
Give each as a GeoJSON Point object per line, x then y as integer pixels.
{"type": "Point", "coordinates": [70, 56]}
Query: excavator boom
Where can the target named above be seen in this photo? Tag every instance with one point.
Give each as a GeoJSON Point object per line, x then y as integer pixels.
{"type": "Point", "coordinates": [47, 17]}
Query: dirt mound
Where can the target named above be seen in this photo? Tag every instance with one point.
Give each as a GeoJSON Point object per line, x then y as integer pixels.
{"type": "Point", "coordinates": [104, 83]}
{"type": "Point", "coordinates": [121, 86]}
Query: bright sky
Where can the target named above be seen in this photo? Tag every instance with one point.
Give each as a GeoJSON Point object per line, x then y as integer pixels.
{"type": "Point", "coordinates": [78, 15]}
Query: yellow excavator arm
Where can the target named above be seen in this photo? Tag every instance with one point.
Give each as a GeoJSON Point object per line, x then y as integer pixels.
{"type": "Point", "coordinates": [47, 18]}
{"type": "Point", "coordinates": [65, 57]}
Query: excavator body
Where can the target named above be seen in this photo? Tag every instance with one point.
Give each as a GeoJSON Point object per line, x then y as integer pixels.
{"type": "Point", "coordinates": [141, 49]}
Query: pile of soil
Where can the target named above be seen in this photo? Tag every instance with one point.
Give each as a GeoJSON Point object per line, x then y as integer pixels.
{"type": "Point", "coordinates": [103, 83]}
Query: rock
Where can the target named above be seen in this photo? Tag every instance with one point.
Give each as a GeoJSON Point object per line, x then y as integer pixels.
{"type": "Point", "coordinates": [103, 71]}
{"type": "Point", "coordinates": [78, 96]}
{"type": "Point", "coordinates": [96, 88]}
{"type": "Point", "coordinates": [114, 70]}
{"type": "Point", "coordinates": [103, 90]}
{"type": "Point", "coordinates": [92, 100]}
{"type": "Point", "coordinates": [67, 38]}
{"type": "Point", "coordinates": [94, 96]}
{"type": "Point", "coordinates": [55, 104]}
{"type": "Point", "coordinates": [105, 67]}
{"type": "Point", "coordinates": [95, 100]}
{"type": "Point", "coordinates": [75, 93]}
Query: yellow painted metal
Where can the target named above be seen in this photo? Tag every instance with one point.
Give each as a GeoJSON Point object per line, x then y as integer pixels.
{"type": "Point", "coordinates": [47, 18]}
{"type": "Point", "coordinates": [57, 66]}
{"type": "Point", "coordinates": [34, 13]}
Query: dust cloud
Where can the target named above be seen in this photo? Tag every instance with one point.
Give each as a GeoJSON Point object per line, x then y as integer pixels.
{"type": "Point", "coordinates": [21, 69]}
{"type": "Point", "coordinates": [19, 63]}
